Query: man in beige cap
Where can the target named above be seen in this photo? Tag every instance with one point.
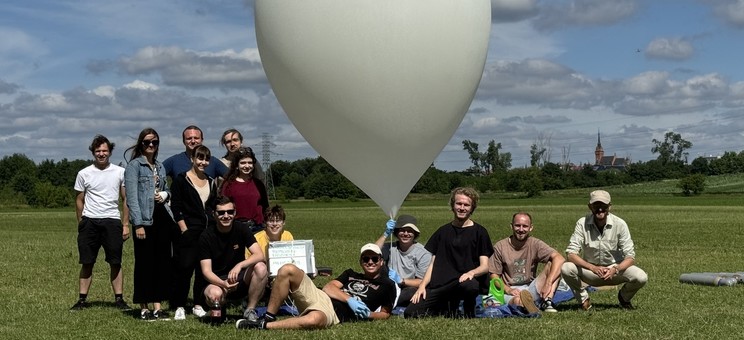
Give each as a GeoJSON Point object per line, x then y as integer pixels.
{"type": "Point", "coordinates": [351, 296]}
{"type": "Point", "coordinates": [608, 256]}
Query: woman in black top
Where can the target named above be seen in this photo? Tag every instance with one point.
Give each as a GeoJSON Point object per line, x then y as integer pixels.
{"type": "Point", "coordinates": [194, 193]}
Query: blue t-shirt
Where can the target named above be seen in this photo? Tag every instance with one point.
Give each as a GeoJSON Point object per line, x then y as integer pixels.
{"type": "Point", "coordinates": [180, 163]}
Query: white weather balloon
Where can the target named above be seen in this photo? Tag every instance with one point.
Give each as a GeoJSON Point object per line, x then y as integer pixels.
{"type": "Point", "coordinates": [378, 87]}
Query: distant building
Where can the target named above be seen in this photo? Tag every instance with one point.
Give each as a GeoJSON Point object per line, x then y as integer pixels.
{"type": "Point", "coordinates": [602, 162]}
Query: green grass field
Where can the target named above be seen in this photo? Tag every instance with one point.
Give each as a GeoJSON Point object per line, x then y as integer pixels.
{"type": "Point", "coordinates": [673, 235]}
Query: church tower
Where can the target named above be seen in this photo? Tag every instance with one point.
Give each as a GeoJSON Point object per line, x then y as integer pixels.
{"type": "Point", "coordinates": [598, 152]}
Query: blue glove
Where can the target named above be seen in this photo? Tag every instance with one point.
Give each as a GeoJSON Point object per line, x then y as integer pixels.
{"type": "Point", "coordinates": [393, 275]}
{"type": "Point", "coordinates": [359, 308]}
{"type": "Point", "coordinates": [389, 226]}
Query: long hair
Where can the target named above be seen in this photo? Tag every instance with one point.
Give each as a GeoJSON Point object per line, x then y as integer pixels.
{"type": "Point", "coordinates": [234, 171]}
{"type": "Point", "coordinates": [138, 149]}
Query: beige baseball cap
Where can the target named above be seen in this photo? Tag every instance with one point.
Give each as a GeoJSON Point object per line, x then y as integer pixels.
{"type": "Point", "coordinates": [599, 196]}
{"type": "Point", "coordinates": [372, 247]}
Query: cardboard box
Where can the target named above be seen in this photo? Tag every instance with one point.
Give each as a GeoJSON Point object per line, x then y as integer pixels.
{"type": "Point", "coordinates": [301, 253]}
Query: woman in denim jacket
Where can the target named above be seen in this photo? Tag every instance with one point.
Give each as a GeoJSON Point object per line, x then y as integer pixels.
{"type": "Point", "coordinates": [152, 221]}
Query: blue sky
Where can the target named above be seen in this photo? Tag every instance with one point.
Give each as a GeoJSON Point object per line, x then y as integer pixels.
{"type": "Point", "coordinates": [557, 72]}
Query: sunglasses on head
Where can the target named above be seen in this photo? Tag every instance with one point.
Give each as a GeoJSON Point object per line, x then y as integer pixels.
{"type": "Point", "coordinates": [223, 212]}
{"type": "Point", "coordinates": [153, 142]}
{"type": "Point", "coordinates": [374, 259]}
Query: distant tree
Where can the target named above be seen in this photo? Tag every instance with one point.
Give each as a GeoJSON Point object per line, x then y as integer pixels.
{"type": "Point", "coordinates": [496, 161]}
{"type": "Point", "coordinates": [10, 166]}
{"type": "Point", "coordinates": [473, 153]}
{"type": "Point", "coordinates": [552, 176]}
{"type": "Point", "coordinates": [536, 154]}
{"type": "Point", "coordinates": [729, 163]}
{"type": "Point", "coordinates": [700, 165]}
{"type": "Point", "coordinates": [671, 149]}
{"type": "Point", "coordinates": [692, 184]}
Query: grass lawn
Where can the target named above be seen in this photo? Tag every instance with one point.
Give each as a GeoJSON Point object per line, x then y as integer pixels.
{"type": "Point", "coordinates": [673, 235]}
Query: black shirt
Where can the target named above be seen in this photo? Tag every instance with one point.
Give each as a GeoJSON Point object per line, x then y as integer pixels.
{"type": "Point", "coordinates": [374, 293]}
{"type": "Point", "coordinates": [457, 251]}
{"type": "Point", "coordinates": [225, 249]}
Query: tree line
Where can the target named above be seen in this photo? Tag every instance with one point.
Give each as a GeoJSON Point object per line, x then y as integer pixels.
{"type": "Point", "coordinates": [49, 184]}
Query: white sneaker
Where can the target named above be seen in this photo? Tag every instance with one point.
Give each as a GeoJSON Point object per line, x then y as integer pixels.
{"type": "Point", "coordinates": [199, 312]}
{"type": "Point", "coordinates": [180, 314]}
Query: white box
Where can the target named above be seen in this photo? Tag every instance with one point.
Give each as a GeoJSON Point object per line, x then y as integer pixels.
{"type": "Point", "coordinates": [301, 253]}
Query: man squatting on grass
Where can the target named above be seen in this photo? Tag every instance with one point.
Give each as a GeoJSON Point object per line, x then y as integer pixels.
{"type": "Point", "coordinates": [229, 274]}
{"type": "Point", "coordinates": [98, 188]}
{"type": "Point", "coordinates": [608, 256]}
{"type": "Point", "coordinates": [459, 263]}
{"type": "Point", "coordinates": [351, 296]}
{"type": "Point", "coordinates": [515, 261]}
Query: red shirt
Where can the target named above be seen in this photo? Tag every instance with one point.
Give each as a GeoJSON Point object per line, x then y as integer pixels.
{"type": "Point", "coordinates": [248, 200]}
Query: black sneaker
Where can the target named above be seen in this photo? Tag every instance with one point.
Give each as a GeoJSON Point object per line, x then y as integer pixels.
{"type": "Point", "coordinates": [145, 315]}
{"type": "Point", "coordinates": [122, 305]}
{"type": "Point", "coordinates": [547, 306]}
{"type": "Point", "coordinates": [79, 305]}
{"type": "Point", "coordinates": [624, 304]}
{"type": "Point", "coordinates": [160, 315]}
{"type": "Point", "coordinates": [247, 324]}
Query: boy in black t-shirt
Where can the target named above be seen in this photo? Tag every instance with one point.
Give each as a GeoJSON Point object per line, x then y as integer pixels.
{"type": "Point", "coordinates": [222, 258]}
{"type": "Point", "coordinates": [351, 296]}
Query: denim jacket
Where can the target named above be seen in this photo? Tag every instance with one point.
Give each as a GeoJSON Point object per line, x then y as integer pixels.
{"type": "Point", "coordinates": [139, 180]}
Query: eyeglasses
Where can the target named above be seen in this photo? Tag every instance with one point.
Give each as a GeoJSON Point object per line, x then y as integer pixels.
{"type": "Point", "coordinates": [406, 230]}
{"type": "Point", "coordinates": [153, 142]}
{"type": "Point", "coordinates": [274, 221]}
{"type": "Point", "coordinates": [374, 259]}
{"type": "Point", "coordinates": [223, 212]}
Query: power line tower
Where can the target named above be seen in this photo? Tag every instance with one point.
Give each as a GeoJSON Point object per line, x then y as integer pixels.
{"type": "Point", "coordinates": [266, 145]}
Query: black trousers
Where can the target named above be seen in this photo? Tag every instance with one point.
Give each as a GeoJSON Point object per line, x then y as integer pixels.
{"type": "Point", "coordinates": [445, 300]}
{"type": "Point", "coordinates": [152, 259]}
{"type": "Point", "coordinates": [185, 266]}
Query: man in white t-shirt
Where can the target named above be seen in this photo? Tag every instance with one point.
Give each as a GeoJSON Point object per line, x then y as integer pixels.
{"type": "Point", "coordinates": [98, 188]}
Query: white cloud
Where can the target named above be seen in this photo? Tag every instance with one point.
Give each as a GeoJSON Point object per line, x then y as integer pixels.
{"type": "Point", "coordinates": [676, 49]}
{"type": "Point", "coordinates": [731, 11]}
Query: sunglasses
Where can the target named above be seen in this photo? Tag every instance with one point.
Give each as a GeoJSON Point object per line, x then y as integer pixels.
{"type": "Point", "coordinates": [223, 212]}
{"type": "Point", "coordinates": [374, 259]}
{"type": "Point", "coordinates": [153, 142]}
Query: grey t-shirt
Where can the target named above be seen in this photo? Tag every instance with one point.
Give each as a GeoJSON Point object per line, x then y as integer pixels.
{"type": "Point", "coordinates": [410, 264]}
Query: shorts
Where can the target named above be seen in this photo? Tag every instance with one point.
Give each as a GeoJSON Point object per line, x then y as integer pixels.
{"type": "Point", "coordinates": [532, 288]}
{"type": "Point", "coordinates": [241, 292]}
{"type": "Point", "coordinates": [308, 298]}
{"type": "Point", "coordinates": [96, 232]}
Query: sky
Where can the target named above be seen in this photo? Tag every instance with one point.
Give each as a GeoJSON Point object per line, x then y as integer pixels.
{"type": "Point", "coordinates": [558, 72]}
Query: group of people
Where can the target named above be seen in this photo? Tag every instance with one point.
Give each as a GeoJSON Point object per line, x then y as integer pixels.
{"type": "Point", "coordinates": [214, 223]}
{"type": "Point", "coordinates": [458, 262]}
{"type": "Point", "coordinates": [179, 230]}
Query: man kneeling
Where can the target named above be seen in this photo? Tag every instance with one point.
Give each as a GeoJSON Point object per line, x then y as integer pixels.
{"type": "Point", "coordinates": [351, 296]}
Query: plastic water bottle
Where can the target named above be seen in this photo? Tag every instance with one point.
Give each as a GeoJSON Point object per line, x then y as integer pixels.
{"type": "Point", "coordinates": [492, 312]}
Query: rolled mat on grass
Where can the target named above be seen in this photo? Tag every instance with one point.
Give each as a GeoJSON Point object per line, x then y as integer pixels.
{"type": "Point", "coordinates": [712, 279]}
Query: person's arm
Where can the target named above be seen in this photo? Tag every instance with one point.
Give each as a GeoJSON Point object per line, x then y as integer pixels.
{"type": "Point", "coordinates": [383, 314]}
{"type": "Point", "coordinates": [420, 293]}
{"type": "Point", "coordinates": [131, 177]}
{"type": "Point", "coordinates": [212, 278]}
{"type": "Point", "coordinates": [177, 202]}
{"type": "Point", "coordinates": [79, 205]}
{"type": "Point", "coordinates": [333, 290]}
{"type": "Point", "coordinates": [124, 213]}
{"type": "Point", "coordinates": [574, 247]}
{"type": "Point", "coordinates": [556, 262]}
{"type": "Point", "coordinates": [477, 271]}
{"type": "Point", "coordinates": [256, 257]}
